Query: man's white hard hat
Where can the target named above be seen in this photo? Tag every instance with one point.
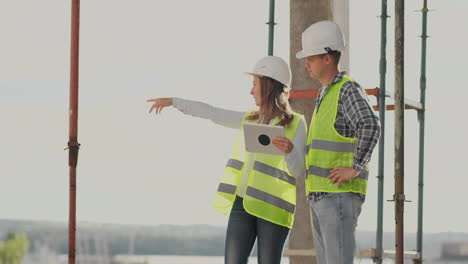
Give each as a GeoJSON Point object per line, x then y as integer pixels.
{"type": "Point", "coordinates": [273, 67]}
{"type": "Point", "coordinates": [320, 38]}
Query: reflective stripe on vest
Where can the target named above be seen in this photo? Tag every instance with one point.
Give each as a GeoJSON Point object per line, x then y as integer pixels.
{"type": "Point", "coordinates": [227, 188]}
{"type": "Point", "coordinates": [274, 172]}
{"type": "Point", "coordinates": [271, 199]}
{"type": "Point", "coordinates": [323, 172]}
{"type": "Point", "coordinates": [331, 146]}
{"type": "Point", "coordinates": [235, 164]}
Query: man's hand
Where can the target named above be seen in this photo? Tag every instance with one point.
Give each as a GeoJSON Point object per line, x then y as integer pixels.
{"type": "Point", "coordinates": [340, 174]}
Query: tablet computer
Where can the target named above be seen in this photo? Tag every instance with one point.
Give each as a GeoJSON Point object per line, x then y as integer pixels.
{"type": "Point", "coordinates": [258, 138]}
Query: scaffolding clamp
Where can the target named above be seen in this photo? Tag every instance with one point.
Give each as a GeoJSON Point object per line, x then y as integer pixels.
{"type": "Point", "coordinates": [73, 148]}
{"type": "Point", "coordinates": [400, 197]}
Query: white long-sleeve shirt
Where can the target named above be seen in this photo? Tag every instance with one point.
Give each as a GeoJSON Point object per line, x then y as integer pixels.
{"type": "Point", "coordinates": [295, 160]}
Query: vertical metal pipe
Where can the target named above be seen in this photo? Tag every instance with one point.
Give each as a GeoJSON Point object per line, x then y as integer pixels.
{"type": "Point", "coordinates": [73, 145]}
{"type": "Point", "coordinates": [382, 107]}
{"type": "Point", "coordinates": [421, 115]}
{"type": "Point", "coordinates": [399, 196]}
{"type": "Point", "coordinates": [271, 30]}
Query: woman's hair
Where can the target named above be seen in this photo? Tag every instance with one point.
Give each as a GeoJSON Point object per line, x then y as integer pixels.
{"type": "Point", "coordinates": [273, 102]}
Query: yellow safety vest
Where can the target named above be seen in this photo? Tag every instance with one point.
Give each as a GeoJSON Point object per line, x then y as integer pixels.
{"type": "Point", "coordinates": [327, 149]}
{"type": "Point", "coordinates": [271, 188]}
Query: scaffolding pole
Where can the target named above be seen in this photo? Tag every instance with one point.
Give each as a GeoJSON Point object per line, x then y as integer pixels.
{"type": "Point", "coordinates": [271, 28]}
{"type": "Point", "coordinates": [399, 196]}
{"type": "Point", "coordinates": [73, 145]}
{"type": "Point", "coordinates": [382, 108]}
{"type": "Point", "coordinates": [421, 117]}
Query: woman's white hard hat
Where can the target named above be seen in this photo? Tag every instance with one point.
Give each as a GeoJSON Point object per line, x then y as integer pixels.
{"type": "Point", "coordinates": [273, 67]}
{"type": "Point", "coordinates": [320, 38]}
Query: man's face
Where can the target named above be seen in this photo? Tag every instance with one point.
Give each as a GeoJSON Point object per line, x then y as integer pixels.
{"type": "Point", "coordinates": [315, 65]}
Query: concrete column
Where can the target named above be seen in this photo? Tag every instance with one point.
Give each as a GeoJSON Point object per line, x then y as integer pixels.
{"type": "Point", "coordinates": [340, 13]}
{"type": "Point", "coordinates": [303, 13]}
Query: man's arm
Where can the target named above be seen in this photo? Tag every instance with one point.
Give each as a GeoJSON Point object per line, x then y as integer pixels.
{"type": "Point", "coordinates": [359, 116]}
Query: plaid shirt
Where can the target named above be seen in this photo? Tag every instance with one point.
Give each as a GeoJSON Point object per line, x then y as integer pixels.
{"type": "Point", "coordinates": [355, 118]}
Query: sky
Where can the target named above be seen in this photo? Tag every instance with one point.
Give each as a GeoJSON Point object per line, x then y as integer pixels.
{"type": "Point", "coordinates": [141, 169]}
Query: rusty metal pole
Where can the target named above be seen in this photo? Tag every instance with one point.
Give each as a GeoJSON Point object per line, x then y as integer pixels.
{"type": "Point", "coordinates": [399, 196]}
{"type": "Point", "coordinates": [73, 145]}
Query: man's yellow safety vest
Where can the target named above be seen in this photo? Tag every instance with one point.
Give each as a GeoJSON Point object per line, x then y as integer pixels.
{"type": "Point", "coordinates": [327, 149]}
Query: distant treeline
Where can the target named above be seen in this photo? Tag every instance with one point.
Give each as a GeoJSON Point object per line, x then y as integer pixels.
{"type": "Point", "coordinates": [202, 240]}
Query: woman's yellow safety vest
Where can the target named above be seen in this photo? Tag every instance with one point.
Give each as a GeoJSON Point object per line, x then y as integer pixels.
{"type": "Point", "coordinates": [327, 149]}
{"type": "Point", "coordinates": [271, 188]}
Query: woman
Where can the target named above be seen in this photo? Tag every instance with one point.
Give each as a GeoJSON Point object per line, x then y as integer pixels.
{"type": "Point", "coordinates": [257, 191]}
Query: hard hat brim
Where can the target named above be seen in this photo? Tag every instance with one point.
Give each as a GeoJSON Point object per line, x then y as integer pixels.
{"type": "Point", "coordinates": [302, 54]}
{"type": "Point", "coordinates": [251, 73]}
{"type": "Point", "coordinates": [260, 75]}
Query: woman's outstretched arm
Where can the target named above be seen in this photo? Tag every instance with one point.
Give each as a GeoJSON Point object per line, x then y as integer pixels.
{"type": "Point", "coordinates": [227, 118]}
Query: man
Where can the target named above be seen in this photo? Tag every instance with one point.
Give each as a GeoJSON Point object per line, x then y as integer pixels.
{"type": "Point", "coordinates": [343, 133]}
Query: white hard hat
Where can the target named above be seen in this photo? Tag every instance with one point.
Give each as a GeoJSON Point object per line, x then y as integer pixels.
{"type": "Point", "coordinates": [273, 67]}
{"type": "Point", "coordinates": [320, 38]}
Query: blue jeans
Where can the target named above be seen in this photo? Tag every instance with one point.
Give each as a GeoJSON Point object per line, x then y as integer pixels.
{"type": "Point", "coordinates": [334, 221]}
{"type": "Point", "coordinates": [243, 228]}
